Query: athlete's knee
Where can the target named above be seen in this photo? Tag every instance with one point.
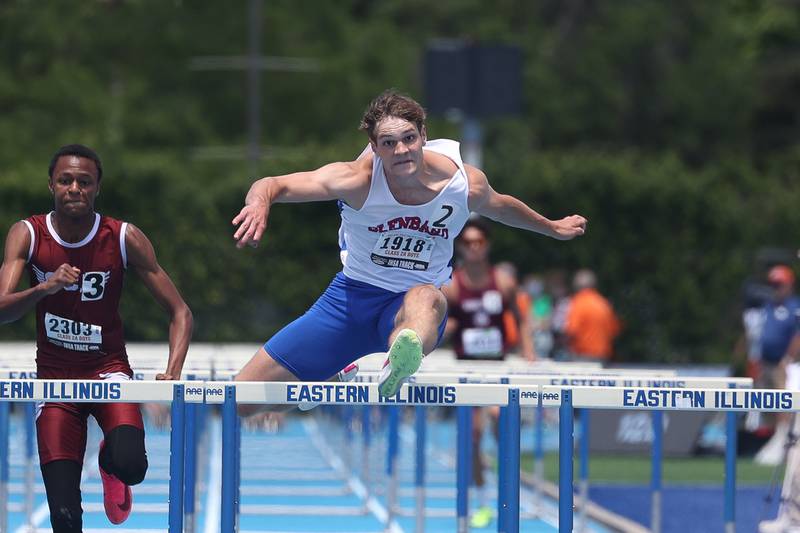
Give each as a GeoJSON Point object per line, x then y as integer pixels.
{"type": "Point", "coordinates": [132, 473]}
{"type": "Point", "coordinates": [428, 296]}
{"type": "Point", "coordinates": [124, 454]}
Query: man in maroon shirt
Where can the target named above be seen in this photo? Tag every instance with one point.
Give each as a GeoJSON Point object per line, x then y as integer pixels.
{"type": "Point", "coordinates": [76, 260]}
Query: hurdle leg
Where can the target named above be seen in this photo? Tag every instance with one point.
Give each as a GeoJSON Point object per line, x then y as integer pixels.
{"type": "Point", "coordinates": [538, 463]}
{"type": "Point", "coordinates": [391, 465]}
{"type": "Point", "coordinates": [419, 475]}
{"type": "Point", "coordinates": [657, 418]}
{"type": "Point", "coordinates": [190, 473]}
{"type": "Point", "coordinates": [502, 472]}
{"type": "Point", "coordinates": [4, 427]}
{"type": "Point", "coordinates": [347, 417]}
{"type": "Point", "coordinates": [237, 471]}
{"type": "Point", "coordinates": [176, 460]}
{"type": "Point", "coordinates": [228, 508]}
{"type": "Point", "coordinates": [463, 466]}
{"type": "Point", "coordinates": [30, 437]}
{"type": "Point", "coordinates": [583, 484]}
{"type": "Point", "coordinates": [566, 442]}
{"type": "Point", "coordinates": [730, 471]}
{"type": "Point", "coordinates": [512, 462]}
{"type": "Point", "coordinates": [502, 468]}
{"type": "Point", "coordinates": [365, 443]}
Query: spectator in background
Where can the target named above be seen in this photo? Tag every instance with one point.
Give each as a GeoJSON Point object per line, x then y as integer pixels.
{"type": "Point", "coordinates": [517, 321]}
{"type": "Point", "coordinates": [753, 316]}
{"type": "Point", "coordinates": [779, 328]}
{"type": "Point", "coordinates": [591, 324]}
{"type": "Point", "coordinates": [541, 315]}
{"type": "Point", "coordinates": [779, 345]}
{"type": "Point", "coordinates": [558, 324]}
{"type": "Point", "coordinates": [478, 296]}
{"type": "Point", "coordinates": [747, 351]}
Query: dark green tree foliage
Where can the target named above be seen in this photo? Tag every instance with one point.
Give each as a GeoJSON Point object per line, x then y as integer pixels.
{"type": "Point", "coordinates": [673, 126]}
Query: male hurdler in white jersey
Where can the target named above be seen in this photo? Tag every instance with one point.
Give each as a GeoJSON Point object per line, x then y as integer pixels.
{"type": "Point", "coordinates": [403, 202]}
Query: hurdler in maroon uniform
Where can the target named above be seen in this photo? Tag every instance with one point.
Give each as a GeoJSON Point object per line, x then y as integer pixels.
{"type": "Point", "coordinates": [478, 317]}
{"type": "Point", "coordinates": [79, 327]}
{"type": "Point", "coordinates": [477, 299]}
{"type": "Point", "coordinates": [76, 260]}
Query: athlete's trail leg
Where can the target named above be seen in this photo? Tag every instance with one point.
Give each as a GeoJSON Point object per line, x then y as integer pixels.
{"type": "Point", "coordinates": [262, 367]}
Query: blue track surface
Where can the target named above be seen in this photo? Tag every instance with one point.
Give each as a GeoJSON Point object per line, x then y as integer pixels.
{"type": "Point", "coordinates": [688, 509]}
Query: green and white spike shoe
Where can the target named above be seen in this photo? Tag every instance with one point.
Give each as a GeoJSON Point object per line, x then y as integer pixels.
{"type": "Point", "coordinates": [405, 356]}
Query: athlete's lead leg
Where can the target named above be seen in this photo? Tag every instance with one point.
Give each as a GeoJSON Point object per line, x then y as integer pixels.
{"type": "Point", "coordinates": [416, 333]}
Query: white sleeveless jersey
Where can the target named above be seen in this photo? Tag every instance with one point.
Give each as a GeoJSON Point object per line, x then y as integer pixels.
{"type": "Point", "coordinates": [396, 246]}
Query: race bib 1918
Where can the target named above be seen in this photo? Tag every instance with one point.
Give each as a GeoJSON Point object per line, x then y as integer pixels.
{"type": "Point", "coordinates": [71, 334]}
{"type": "Point", "coordinates": [403, 250]}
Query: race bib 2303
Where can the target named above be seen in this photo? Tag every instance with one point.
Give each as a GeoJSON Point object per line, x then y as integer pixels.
{"type": "Point", "coordinates": [72, 334]}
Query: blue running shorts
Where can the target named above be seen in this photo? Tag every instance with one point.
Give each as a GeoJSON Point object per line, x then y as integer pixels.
{"type": "Point", "coordinates": [350, 320]}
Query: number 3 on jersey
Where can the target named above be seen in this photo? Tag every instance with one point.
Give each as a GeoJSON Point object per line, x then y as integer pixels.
{"type": "Point", "coordinates": [94, 286]}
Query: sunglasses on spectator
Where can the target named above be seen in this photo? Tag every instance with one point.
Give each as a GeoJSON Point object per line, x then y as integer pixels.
{"type": "Point", "coordinates": [479, 240]}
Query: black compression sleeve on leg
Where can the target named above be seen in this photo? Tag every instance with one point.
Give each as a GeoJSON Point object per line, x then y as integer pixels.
{"type": "Point", "coordinates": [62, 482]}
{"type": "Point", "coordinates": [124, 454]}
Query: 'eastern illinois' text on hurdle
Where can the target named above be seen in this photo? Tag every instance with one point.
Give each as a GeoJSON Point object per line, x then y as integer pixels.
{"type": "Point", "coordinates": [83, 390]}
{"type": "Point", "coordinates": [357, 393]}
{"type": "Point", "coordinates": [722, 399]}
{"type": "Point", "coordinates": [63, 390]}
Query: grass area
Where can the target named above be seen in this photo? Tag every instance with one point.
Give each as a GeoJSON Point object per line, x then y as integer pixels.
{"type": "Point", "coordinates": [636, 469]}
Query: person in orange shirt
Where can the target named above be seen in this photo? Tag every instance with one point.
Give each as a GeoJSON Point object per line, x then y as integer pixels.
{"type": "Point", "coordinates": [591, 324]}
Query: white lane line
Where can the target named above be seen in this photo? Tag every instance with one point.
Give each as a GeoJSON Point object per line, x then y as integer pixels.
{"type": "Point", "coordinates": [214, 493]}
{"type": "Point", "coordinates": [375, 507]}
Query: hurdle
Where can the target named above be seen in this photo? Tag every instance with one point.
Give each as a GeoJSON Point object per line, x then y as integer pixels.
{"type": "Point", "coordinates": [281, 393]}
{"type": "Point", "coordinates": [569, 399]}
{"type": "Point", "coordinates": [29, 391]}
{"type": "Point", "coordinates": [461, 395]}
{"type": "Point", "coordinates": [514, 382]}
{"type": "Point", "coordinates": [648, 379]}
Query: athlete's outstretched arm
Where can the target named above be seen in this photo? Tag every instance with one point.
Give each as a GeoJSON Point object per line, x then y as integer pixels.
{"type": "Point", "coordinates": [347, 181]}
{"type": "Point", "coordinates": [142, 257]}
{"type": "Point", "coordinates": [512, 212]}
{"type": "Point", "coordinates": [13, 305]}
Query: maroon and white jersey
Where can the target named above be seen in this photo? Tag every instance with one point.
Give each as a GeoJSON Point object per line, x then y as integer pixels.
{"type": "Point", "coordinates": [79, 326]}
{"type": "Point", "coordinates": [479, 314]}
